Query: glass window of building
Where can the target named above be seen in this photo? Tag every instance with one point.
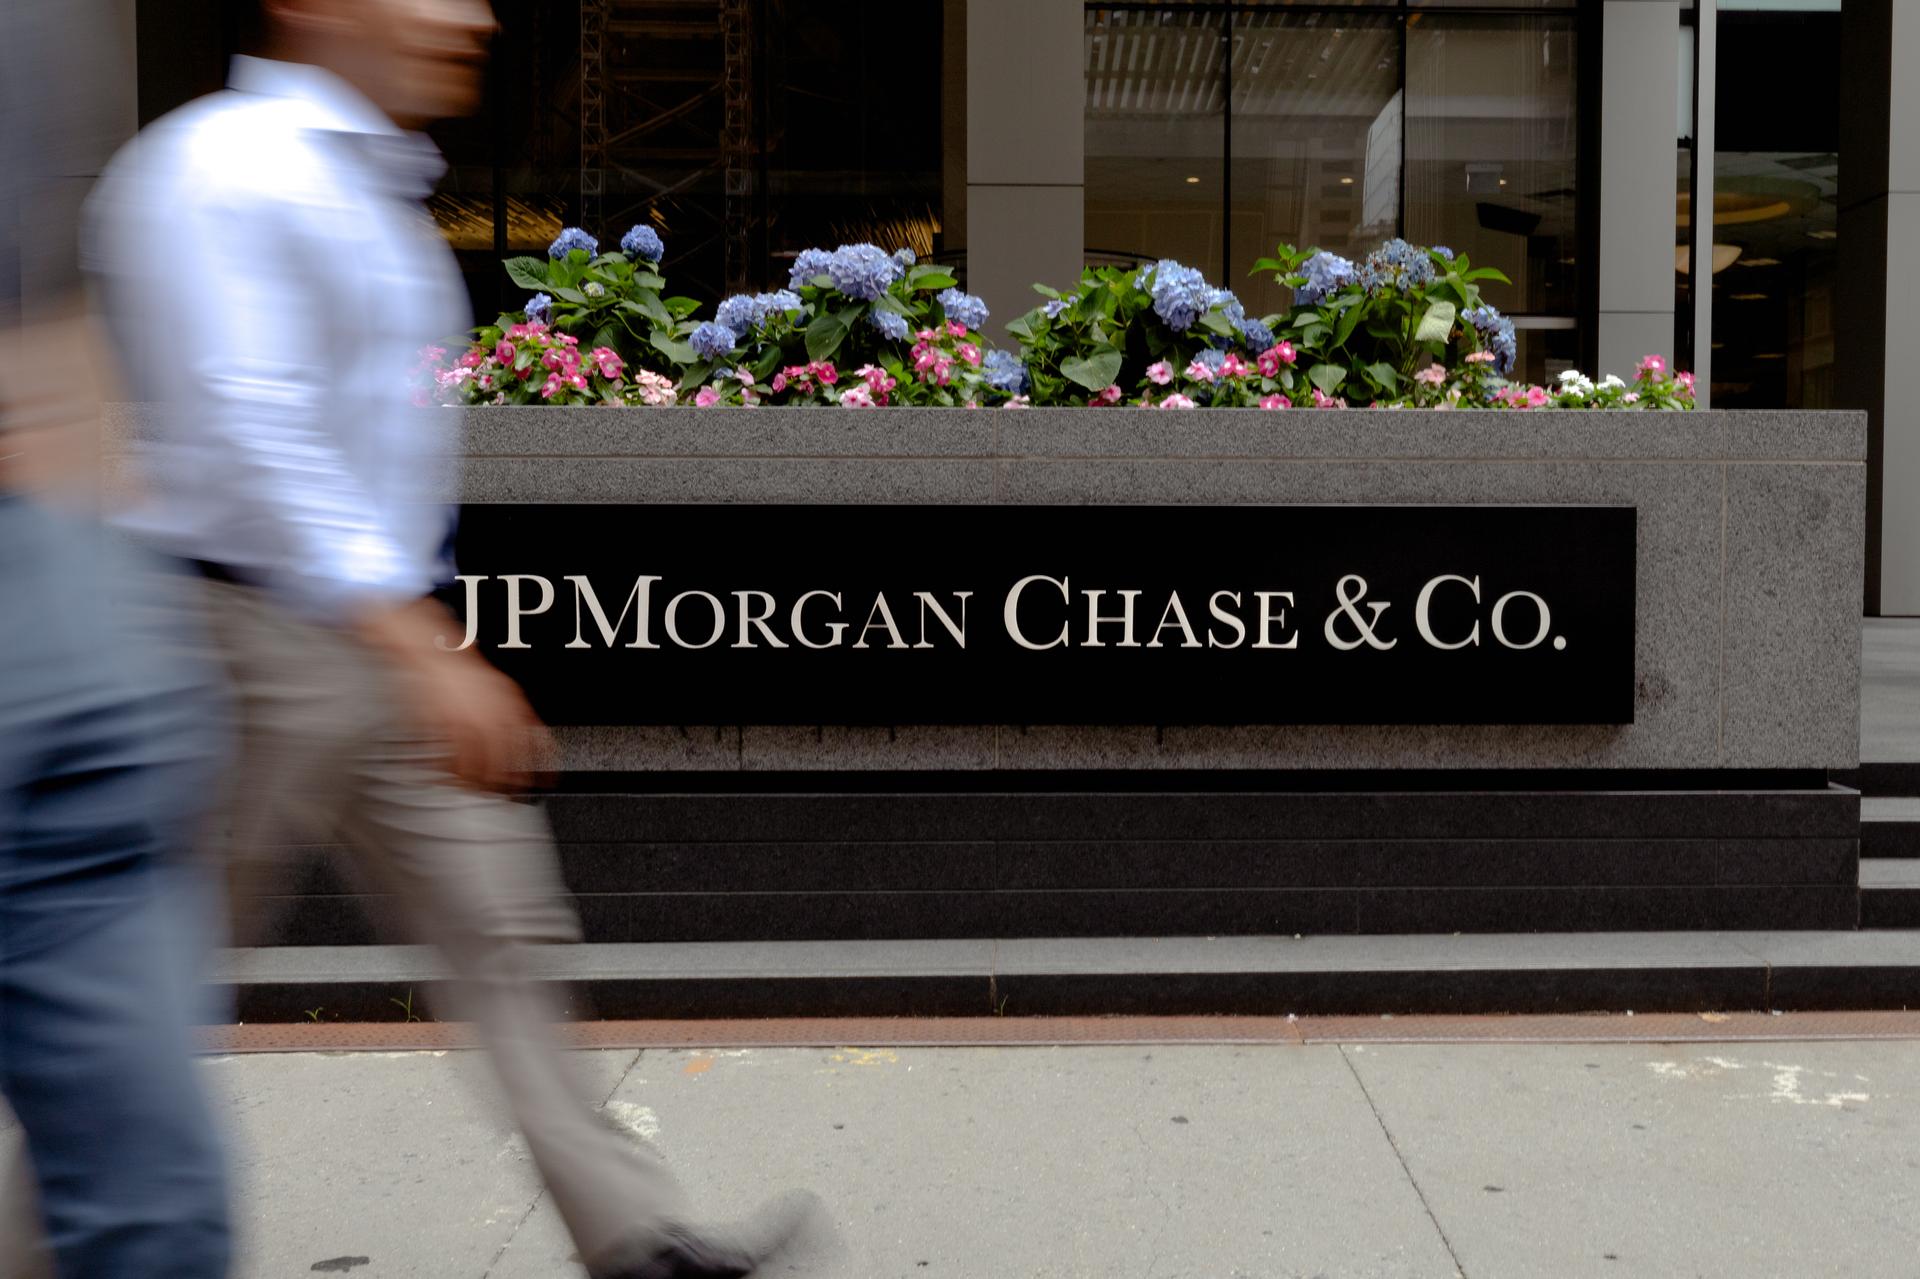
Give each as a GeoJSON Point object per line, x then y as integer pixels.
{"type": "Point", "coordinates": [1216, 131]}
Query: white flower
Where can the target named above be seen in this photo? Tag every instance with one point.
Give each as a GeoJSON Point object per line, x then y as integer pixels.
{"type": "Point", "coordinates": [1612, 382]}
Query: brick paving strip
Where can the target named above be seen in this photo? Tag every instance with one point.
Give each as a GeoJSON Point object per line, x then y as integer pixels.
{"type": "Point", "coordinates": [1706, 1028]}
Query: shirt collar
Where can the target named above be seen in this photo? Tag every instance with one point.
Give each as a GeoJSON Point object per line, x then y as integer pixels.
{"type": "Point", "coordinates": [337, 105]}
{"type": "Point", "coordinates": [408, 163]}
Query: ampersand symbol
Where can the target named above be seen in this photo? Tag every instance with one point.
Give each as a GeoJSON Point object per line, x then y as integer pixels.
{"type": "Point", "coordinates": [1351, 590]}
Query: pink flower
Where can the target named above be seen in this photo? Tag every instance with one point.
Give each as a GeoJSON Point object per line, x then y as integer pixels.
{"type": "Point", "coordinates": [608, 361]}
{"type": "Point", "coordinates": [1176, 401]}
{"type": "Point", "coordinates": [1321, 400]}
{"type": "Point", "coordinates": [1275, 402]}
{"type": "Point", "coordinates": [1631, 397]}
{"type": "Point", "coordinates": [1200, 372]}
{"type": "Point", "coordinates": [473, 359]}
{"type": "Point", "coordinates": [706, 398]}
{"type": "Point", "coordinates": [1111, 395]}
{"type": "Point", "coordinates": [827, 374]}
{"type": "Point", "coordinates": [927, 335]}
{"type": "Point", "coordinates": [504, 352]}
{"type": "Point", "coordinates": [555, 385]}
{"type": "Point", "coordinates": [779, 382]}
{"type": "Point", "coordinates": [1480, 357]}
{"type": "Point", "coordinates": [1432, 375]}
{"type": "Point", "coordinates": [1234, 366]}
{"type": "Point", "coordinates": [1287, 354]}
{"type": "Point", "coordinates": [1018, 402]}
{"type": "Point", "coordinates": [956, 329]}
{"type": "Point", "coordinates": [745, 376]}
{"type": "Point", "coordinates": [970, 353]}
{"type": "Point", "coordinates": [856, 397]}
{"type": "Point", "coordinates": [1160, 374]}
{"type": "Point", "coordinates": [1652, 364]}
{"type": "Point", "coordinates": [1686, 380]}
{"type": "Point", "coordinates": [1537, 397]}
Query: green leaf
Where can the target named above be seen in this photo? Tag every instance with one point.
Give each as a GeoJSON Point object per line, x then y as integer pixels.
{"type": "Point", "coordinates": [678, 352]}
{"type": "Point", "coordinates": [1022, 328]}
{"type": "Point", "coordinates": [1348, 322]}
{"type": "Point", "coordinates": [574, 296]}
{"type": "Point", "coordinates": [1096, 372]}
{"type": "Point", "coordinates": [1485, 273]}
{"type": "Point", "coordinates": [924, 278]}
{"type": "Point", "coordinates": [1437, 323]}
{"type": "Point", "coordinates": [1384, 376]}
{"type": "Point", "coordinates": [681, 308]}
{"type": "Point", "coordinates": [528, 273]}
{"type": "Point", "coordinates": [608, 335]}
{"type": "Point", "coordinates": [1046, 292]}
{"type": "Point", "coordinates": [1214, 322]}
{"type": "Point", "coordinates": [1313, 335]}
{"type": "Point", "coordinates": [1327, 377]}
{"type": "Point", "coordinates": [824, 336]}
{"type": "Point", "coordinates": [649, 306]}
{"type": "Point", "coordinates": [888, 302]}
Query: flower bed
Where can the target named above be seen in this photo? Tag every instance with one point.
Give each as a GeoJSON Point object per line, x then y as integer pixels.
{"type": "Point", "coordinates": [859, 327]}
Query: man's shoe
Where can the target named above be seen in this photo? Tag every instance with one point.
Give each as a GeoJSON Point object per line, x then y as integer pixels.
{"type": "Point", "coordinates": [791, 1235]}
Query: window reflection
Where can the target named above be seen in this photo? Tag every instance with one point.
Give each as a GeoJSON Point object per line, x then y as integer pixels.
{"type": "Point", "coordinates": [1155, 136]}
{"type": "Point", "coordinates": [1316, 137]}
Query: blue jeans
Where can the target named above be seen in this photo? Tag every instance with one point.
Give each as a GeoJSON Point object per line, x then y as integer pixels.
{"type": "Point", "coordinates": [109, 754]}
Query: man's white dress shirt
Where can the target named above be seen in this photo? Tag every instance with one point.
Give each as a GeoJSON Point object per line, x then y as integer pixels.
{"type": "Point", "coordinates": [273, 273]}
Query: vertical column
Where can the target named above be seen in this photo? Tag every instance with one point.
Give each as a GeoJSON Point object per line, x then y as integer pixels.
{"type": "Point", "coordinates": [1639, 186]}
{"type": "Point", "coordinates": [1877, 309]}
{"type": "Point", "coordinates": [953, 127]}
{"type": "Point", "coordinates": [1026, 149]}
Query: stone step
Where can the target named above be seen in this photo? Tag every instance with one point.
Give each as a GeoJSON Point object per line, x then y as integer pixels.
{"type": "Point", "coordinates": [1511, 973]}
{"type": "Point", "coordinates": [1889, 828]}
{"type": "Point", "coordinates": [1890, 892]}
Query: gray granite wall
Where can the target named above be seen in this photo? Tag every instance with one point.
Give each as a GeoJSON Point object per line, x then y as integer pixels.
{"type": "Point", "coordinates": [1750, 559]}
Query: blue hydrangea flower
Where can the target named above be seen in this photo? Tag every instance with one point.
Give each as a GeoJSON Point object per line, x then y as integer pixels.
{"type": "Point", "coordinates": [1443, 251]}
{"type": "Point", "coordinates": [810, 264]}
{"type": "Point", "coordinates": [892, 325]}
{"type": "Point", "coordinates": [1230, 306]}
{"type": "Point", "coordinates": [1496, 335]}
{"type": "Point", "coordinates": [963, 308]}
{"type": "Point", "coordinates": [1258, 336]}
{"type": "Point", "coordinates": [570, 239]}
{"type": "Point", "coordinates": [1211, 359]}
{"type": "Point", "coordinates": [1397, 264]}
{"type": "Point", "coordinates": [1180, 293]}
{"type": "Point", "coordinates": [778, 303]}
{"type": "Point", "coordinates": [1056, 306]}
{"type": "Point", "coordinates": [539, 309]}
{"type": "Point", "coordinates": [1004, 372]}
{"type": "Point", "coordinates": [905, 257]}
{"type": "Point", "coordinates": [862, 271]}
{"type": "Point", "coordinates": [1326, 273]}
{"type": "Point", "coordinates": [739, 313]}
{"type": "Point", "coordinates": [643, 242]}
{"type": "Point", "coordinates": [711, 341]}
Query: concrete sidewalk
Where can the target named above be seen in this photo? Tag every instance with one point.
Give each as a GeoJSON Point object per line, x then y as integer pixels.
{"type": "Point", "coordinates": [1188, 1162]}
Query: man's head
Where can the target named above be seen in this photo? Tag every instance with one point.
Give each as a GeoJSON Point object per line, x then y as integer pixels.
{"type": "Point", "coordinates": [417, 60]}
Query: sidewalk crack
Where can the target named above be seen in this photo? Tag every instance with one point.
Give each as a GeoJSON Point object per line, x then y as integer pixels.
{"type": "Point", "coordinates": [1460, 1271]}
{"type": "Point", "coordinates": [541, 1193]}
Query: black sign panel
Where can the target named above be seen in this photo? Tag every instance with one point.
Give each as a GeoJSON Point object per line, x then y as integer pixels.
{"type": "Point", "coordinates": [1056, 614]}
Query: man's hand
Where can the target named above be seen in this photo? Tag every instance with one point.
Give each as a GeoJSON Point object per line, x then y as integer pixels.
{"type": "Point", "coordinates": [493, 739]}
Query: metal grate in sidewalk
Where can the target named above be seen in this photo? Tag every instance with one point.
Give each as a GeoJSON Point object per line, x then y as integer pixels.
{"type": "Point", "coordinates": [1066, 1031]}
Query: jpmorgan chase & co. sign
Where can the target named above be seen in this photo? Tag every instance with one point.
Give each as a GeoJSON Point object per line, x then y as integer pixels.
{"type": "Point", "coordinates": [735, 614]}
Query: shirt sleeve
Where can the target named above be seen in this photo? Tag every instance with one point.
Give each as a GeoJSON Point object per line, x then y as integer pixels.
{"type": "Point", "coordinates": [248, 319]}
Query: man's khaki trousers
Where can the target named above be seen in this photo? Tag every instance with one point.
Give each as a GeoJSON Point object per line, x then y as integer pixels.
{"type": "Point", "coordinates": [324, 746]}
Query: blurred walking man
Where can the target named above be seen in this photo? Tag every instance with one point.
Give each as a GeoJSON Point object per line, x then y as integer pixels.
{"type": "Point", "coordinates": [109, 738]}
{"type": "Point", "coordinates": [273, 272]}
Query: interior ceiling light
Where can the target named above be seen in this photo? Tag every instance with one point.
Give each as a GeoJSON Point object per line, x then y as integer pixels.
{"type": "Point", "coordinates": [1824, 235]}
{"type": "Point", "coordinates": [1346, 182]}
{"type": "Point", "coordinates": [1760, 262]}
{"type": "Point", "coordinates": [1749, 297]}
{"type": "Point", "coordinates": [1770, 355]}
{"type": "Point", "coordinates": [1724, 256]}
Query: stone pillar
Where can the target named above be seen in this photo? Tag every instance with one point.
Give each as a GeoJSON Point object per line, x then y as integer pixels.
{"type": "Point", "coordinates": [1639, 187]}
{"type": "Point", "coordinates": [1026, 148]}
{"type": "Point", "coordinates": [1877, 310]}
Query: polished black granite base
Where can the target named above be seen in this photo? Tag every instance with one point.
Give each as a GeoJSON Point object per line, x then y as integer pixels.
{"type": "Point", "coordinates": [1172, 856]}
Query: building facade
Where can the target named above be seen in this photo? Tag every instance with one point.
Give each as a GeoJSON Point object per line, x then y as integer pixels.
{"type": "Point", "coordinates": [1566, 142]}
